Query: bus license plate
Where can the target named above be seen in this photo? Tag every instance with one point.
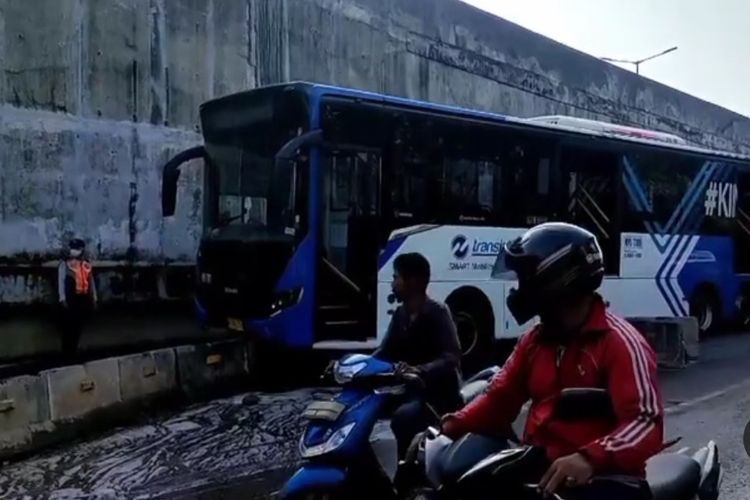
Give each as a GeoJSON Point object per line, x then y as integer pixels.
{"type": "Point", "coordinates": [235, 324]}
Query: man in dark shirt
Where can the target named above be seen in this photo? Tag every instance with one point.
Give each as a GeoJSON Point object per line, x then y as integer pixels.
{"type": "Point", "coordinates": [421, 339]}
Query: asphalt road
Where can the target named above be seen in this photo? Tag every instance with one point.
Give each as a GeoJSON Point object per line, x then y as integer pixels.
{"type": "Point", "coordinates": [244, 447]}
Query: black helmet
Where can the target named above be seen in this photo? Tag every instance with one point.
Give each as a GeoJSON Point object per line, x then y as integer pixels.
{"type": "Point", "coordinates": [77, 244]}
{"type": "Point", "coordinates": [553, 262]}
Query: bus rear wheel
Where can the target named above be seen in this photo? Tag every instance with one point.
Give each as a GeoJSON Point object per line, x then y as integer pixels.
{"type": "Point", "coordinates": [705, 308]}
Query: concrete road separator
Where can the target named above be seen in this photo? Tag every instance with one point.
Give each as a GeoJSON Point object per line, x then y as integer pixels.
{"type": "Point", "coordinates": [147, 374]}
{"type": "Point", "coordinates": [202, 367]}
{"type": "Point", "coordinates": [675, 340]}
{"type": "Point", "coordinates": [36, 411]}
{"type": "Point", "coordinates": [23, 404]}
{"type": "Point", "coordinates": [76, 390]}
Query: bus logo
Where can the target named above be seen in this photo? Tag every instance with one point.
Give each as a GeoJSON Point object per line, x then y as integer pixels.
{"type": "Point", "coordinates": [460, 246]}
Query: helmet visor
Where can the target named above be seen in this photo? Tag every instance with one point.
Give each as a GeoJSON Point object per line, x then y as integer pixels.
{"type": "Point", "coordinates": [512, 264]}
{"type": "Point", "coordinates": [501, 270]}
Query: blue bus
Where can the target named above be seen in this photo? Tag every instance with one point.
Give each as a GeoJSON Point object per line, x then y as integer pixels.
{"type": "Point", "coordinates": [312, 190]}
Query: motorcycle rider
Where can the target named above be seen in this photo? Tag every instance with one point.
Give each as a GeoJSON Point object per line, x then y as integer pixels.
{"type": "Point", "coordinates": [577, 343]}
{"type": "Point", "coordinates": [421, 339]}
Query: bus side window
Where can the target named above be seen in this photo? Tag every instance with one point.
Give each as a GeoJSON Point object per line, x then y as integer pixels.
{"type": "Point", "coordinates": [409, 190]}
{"type": "Point", "coordinates": [525, 187]}
{"type": "Point", "coordinates": [468, 190]}
{"type": "Point", "coordinates": [742, 223]}
{"type": "Point", "coordinates": [655, 183]}
{"type": "Point", "coordinates": [591, 197]}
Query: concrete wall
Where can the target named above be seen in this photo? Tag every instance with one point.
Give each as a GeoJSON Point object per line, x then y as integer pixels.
{"type": "Point", "coordinates": [96, 94]}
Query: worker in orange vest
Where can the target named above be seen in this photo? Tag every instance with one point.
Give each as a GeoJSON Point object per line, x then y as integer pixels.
{"type": "Point", "coordinates": [76, 290]}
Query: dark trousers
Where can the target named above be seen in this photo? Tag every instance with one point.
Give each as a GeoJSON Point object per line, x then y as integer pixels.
{"type": "Point", "coordinates": [408, 420]}
{"type": "Point", "coordinates": [73, 318]}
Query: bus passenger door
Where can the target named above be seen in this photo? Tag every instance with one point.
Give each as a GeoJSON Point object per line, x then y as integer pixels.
{"type": "Point", "coordinates": [348, 269]}
{"type": "Point", "coordinates": [590, 182]}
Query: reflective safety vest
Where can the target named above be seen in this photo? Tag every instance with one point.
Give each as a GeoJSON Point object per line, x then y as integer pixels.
{"type": "Point", "coordinates": [81, 273]}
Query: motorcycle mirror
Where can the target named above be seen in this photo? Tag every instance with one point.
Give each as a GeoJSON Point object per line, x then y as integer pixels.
{"type": "Point", "coordinates": [328, 370]}
{"type": "Point", "coordinates": [671, 442]}
{"type": "Point", "coordinates": [583, 403]}
{"type": "Point", "coordinates": [413, 380]}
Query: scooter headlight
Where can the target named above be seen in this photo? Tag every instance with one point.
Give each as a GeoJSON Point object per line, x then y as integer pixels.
{"type": "Point", "coordinates": [332, 443]}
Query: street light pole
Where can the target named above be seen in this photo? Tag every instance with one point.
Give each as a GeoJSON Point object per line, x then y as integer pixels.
{"type": "Point", "coordinates": [637, 63]}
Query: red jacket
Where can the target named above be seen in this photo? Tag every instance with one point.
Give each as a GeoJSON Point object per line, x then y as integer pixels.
{"type": "Point", "coordinates": [609, 353]}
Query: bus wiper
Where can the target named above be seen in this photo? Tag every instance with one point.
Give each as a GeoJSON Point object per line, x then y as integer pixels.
{"type": "Point", "coordinates": [227, 220]}
{"type": "Point", "coordinates": [250, 222]}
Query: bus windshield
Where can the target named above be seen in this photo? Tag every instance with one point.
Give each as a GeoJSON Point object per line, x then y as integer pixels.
{"type": "Point", "coordinates": [243, 178]}
{"type": "Point", "coordinates": [251, 194]}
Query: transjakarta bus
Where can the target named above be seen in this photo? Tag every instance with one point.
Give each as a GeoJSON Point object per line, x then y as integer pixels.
{"type": "Point", "coordinates": [312, 191]}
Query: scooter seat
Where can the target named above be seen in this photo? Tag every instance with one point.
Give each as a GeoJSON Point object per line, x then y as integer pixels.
{"type": "Point", "coordinates": [465, 453]}
{"type": "Point", "coordinates": [470, 391]}
{"type": "Point", "coordinates": [672, 476]}
{"type": "Point", "coordinates": [485, 374]}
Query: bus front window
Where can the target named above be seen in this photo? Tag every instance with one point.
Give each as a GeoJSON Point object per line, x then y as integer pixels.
{"type": "Point", "coordinates": [253, 195]}
{"type": "Point", "coordinates": [244, 188]}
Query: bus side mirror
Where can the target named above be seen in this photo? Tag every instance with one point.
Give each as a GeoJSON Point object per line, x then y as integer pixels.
{"type": "Point", "coordinates": [170, 176]}
{"type": "Point", "coordinates": [169, 192]}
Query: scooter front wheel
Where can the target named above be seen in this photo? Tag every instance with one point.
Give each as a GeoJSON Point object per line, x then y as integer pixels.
{"type": "Point", "coordinates": [421, 494]}
{"type": "Point", "coordinates": [318, 495]}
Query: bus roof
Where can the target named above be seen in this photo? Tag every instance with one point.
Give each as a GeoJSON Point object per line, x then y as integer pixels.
{"type": "Point", "coordinates": [558, 123]}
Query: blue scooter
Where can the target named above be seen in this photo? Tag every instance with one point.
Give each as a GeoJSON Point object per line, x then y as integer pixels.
{"type": "Point", "coordinates": [347, 444]}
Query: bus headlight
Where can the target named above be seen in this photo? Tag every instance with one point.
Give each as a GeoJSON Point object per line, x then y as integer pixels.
{"type": "Point", "coordinates": [331, 444]}
{"type": "Point", "coordinates": [287, 298]}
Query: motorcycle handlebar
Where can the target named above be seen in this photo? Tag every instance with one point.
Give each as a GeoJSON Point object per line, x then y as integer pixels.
{"type": "Point", "coordinates": [413, 380]}
{"type": "Point", "coordinates": [328, 371]}
{"type": "Point", "coordinates": [535, 487]}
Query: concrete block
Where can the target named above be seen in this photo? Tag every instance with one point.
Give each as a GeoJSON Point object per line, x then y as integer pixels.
{"type": "Point", "coordinates": [23, 402]}
{"type": "Point", "coordinates": [667, 336]}
{"type": "Point", "coordinates": [203, 366]}
{"type": "Point", "coordinates": [78, 389]}
{"type": "Point", "coordinates": [690, 336]}
{"type": "Point", "coordinates": [147, 374]}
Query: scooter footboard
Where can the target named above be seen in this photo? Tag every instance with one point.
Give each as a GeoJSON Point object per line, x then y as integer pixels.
{"type": "Point", "coordinates": [313, 478]}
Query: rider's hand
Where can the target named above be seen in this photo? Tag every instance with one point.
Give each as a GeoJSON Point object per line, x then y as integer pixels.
{"type": "Point", "coordinates": [449, 427]}
{"type": "Point", "coordinates": [570, 471]}
{"type": "Point", "coordinates": [405, 368]}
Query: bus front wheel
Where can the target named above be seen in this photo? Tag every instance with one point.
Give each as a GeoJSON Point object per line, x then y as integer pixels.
{"type": "Point", "coordinates": [474, 321]}
{"type": "Point", "coordinates": [705, 308]}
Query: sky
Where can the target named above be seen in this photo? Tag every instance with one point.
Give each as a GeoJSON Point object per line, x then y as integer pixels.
{"type": "Point", "coordinates": [712, 61]}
